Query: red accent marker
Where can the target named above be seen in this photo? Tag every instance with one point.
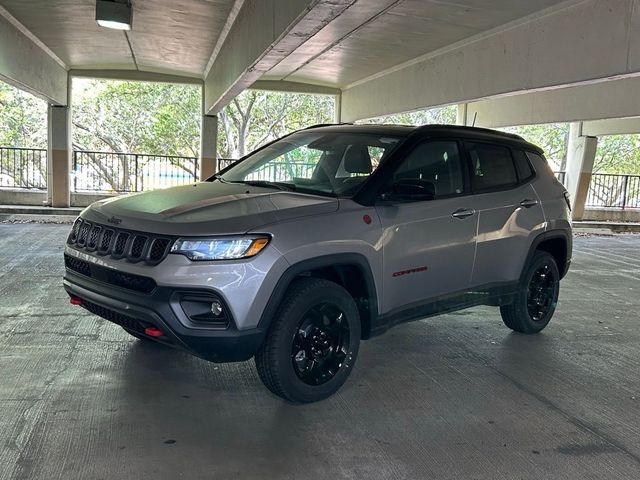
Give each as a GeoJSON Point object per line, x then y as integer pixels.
{"type": "Point", "coordinates": [75, 301]}
{"type": "Point", "coordinates": [153, 332]}
{"type": "Point", "coordinates": [367, 219]}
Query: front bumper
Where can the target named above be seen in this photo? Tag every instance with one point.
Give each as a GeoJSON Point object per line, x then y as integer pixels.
{"type": "Point", "coordinates": [136, 311]}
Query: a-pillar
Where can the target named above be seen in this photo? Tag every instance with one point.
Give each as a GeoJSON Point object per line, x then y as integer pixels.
{"type": "Point", "coordinates": [58, 155]}
{"type": "Point", "coordinates": [581, 154]}
{"type": "Point", "coordinates": [208, 146]}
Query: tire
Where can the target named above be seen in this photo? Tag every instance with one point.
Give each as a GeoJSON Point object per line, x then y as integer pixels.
{"type": "Point", "coordinates": [537, 296]}
{"type": "Point", "coordinates": [297, 361]}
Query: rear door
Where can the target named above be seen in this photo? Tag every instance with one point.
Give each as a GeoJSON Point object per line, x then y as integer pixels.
{"type": "Point", "coordinates": [428, 246]}
{"type": "Point", "coordinates": [509, 210]}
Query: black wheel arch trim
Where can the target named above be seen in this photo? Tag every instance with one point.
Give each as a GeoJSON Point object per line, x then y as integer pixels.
{"type": "Point", "coordinates": [551, 235]}
{"type": "Point", "coordinates": [339, 259]}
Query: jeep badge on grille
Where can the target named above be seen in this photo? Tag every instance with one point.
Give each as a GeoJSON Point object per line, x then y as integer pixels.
{"type": "Point", "coordinates": [115, 220]}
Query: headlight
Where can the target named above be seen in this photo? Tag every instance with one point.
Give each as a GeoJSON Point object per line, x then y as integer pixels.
{"type": "Point", "coordinates": [230, 248]}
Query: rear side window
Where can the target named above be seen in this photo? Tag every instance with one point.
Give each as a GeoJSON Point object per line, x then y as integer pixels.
{"type": "Point", "coordinates": [491, 166]}
{"type": "Point", "coordinates": [523, 167]}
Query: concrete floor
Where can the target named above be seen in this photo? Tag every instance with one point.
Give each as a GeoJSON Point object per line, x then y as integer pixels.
{"type": "Point", "coordinates": [453, 397]}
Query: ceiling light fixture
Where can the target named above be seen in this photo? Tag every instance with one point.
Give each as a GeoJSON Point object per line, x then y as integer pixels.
{"type": "Point", "coordinates": [114, 14]}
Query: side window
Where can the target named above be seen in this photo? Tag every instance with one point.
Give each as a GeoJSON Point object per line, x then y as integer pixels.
{"type": "Point", "coordinates": [540, 162]}
{"type": "Point", "coordinates": [435, 164]}
{"type": "Point", "coordinates": [523, 167]}
{"type": "Point", "coordinates": [491, 166]}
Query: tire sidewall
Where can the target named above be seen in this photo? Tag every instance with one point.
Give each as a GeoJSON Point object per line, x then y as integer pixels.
{"type": "Point", "coordinates": [540, 259]}
{"type": "Point", "coordinates": [299, 306]}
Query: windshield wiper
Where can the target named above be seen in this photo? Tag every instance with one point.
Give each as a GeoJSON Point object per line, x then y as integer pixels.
{"type": "Point", "coordinates": [265, 183]}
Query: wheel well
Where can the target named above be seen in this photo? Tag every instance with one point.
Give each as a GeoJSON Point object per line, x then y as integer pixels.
{"type": "Point", "coordinates": [557, 247]}
{"type": "Point", "coordinates": [353, 280]}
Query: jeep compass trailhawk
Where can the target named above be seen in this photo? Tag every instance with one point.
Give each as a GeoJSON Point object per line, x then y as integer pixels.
{"type": "Point", "coordinates": [322, 238]}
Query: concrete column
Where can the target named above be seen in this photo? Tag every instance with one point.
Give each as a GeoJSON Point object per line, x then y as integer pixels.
{"type": "Point", "coordinates": [337, 105]}
{"type": "Point", "coordinates": [208, 146]}
{"type": "Point", "coordinates": [581, 154]}
{"type": "Point", "coordinates": [59, 155]}
{"type": "Point", "coordinates": [462, 114]}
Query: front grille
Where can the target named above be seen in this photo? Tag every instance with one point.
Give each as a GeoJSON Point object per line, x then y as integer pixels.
{"type": "Point", "coordinates": [112, 277]}
{"type": "Point", "coordinates": [125, 321]}
{"type": "Point", "coordinates": [77, 265]}
{"type": "Point", "coordinates": [118, 243]}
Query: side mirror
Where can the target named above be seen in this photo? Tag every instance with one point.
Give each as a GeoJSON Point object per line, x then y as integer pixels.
{"type": "Point", "coordinates": [411, 190]}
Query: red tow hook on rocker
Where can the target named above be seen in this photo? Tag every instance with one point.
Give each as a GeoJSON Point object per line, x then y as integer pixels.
{"type": "Point", "coordinates": [75, 301]}
{"type": "Point", "coordinates": [150, 331]}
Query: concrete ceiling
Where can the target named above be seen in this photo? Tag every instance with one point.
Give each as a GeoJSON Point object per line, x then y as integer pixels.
{"type": "Point", "coordinates": [181, 37]}
{"type": "Point", "coordinates": [375, 35]}
{"type": "Point", "coordinates": [168, 36]}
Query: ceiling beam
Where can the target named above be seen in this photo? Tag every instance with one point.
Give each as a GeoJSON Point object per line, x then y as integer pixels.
{"type": "Point", "coordinates": [294, 87]}
{"type": "Point", "coordinates": [28, 64]}
{"type": "Point", "coordinates": [594, 101]}
{"type": "Point", "coordinates": [134, 75]}
{"type": "Point", "coordinates": [576, 42]}
{"type": "Point", "coordinates": [263, 34]}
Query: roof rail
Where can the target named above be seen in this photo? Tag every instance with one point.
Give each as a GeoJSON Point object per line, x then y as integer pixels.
{"type": "Point", "coordinates": [318, 125]}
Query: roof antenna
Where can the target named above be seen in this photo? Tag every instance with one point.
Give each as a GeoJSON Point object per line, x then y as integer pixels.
{"type": "Point", "coordinates": [475, 116]}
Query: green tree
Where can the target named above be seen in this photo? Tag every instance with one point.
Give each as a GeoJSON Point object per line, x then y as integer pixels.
{"type": "Point", "coordinates": [23, 124]}
{"type": "Point", "coordinates": [23, 119]}
{"type": "Point", "coordinates": [551, 137]}
{"type": "Point", "coordinates": [618, 154]}
{"type": "Point", "coordinates": [440, 115]}
{"type": "Point", "coordinates": [256, 117]}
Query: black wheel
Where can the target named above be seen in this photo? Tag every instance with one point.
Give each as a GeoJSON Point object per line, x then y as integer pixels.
{"type": "Point", "coordinates": [312, 343]}
{"type": "Point", "coordinates": [537, 296]}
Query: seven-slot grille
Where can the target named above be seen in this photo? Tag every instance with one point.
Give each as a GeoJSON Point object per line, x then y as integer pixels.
{"type": "Point", "coordinates": [118, 243]}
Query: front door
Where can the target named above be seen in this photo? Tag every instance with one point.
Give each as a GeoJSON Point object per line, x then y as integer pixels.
{"type": "Point", "coordinates": [428, 246]}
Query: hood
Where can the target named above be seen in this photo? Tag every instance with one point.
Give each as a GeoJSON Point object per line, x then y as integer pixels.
{"type": "Point", "coordinates": [206, 208]}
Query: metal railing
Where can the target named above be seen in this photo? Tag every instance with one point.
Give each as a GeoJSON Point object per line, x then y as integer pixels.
{"type": "Point", "coordinates": [225, 162]}
{"type": "Point", "coordinates": [275, 171]}
{"type": "Point", "coordinates": [614, 191]}
{"type": "Point", "coordinates": [561, 176]}
{"type": "Point", "coordinates": [130, 172]}
{"type": "Point", "coordinates": [23, 168]}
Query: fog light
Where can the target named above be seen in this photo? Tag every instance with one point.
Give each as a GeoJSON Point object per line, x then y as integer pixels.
{"type": "Point", "coordinates": [216, 308]}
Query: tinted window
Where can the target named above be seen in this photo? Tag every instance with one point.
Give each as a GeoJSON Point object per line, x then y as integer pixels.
{"type": "Point", "coordinates": [540, 162]}
{"type": "Point", "coordinates": [523, 167]}
{"type": "Point", "coordinates": [311, 161]}
{"type": "Point", "coordinates": [437, 165]}
{"type": "Point", "coordinates": [492, 166]}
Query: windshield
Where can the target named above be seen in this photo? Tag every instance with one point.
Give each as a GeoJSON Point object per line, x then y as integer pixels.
{"type": "Point", "coordinates": [334, 164]}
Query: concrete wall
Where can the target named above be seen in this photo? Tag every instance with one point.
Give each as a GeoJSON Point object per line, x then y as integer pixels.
{"type": "Point", "coordinates": [25, 64]}
{"type": "Point", "coordinates": [38, 198]}
{"type": "Point", "coordinates": [581, 42]}
{"type": "Point", "coordinates": [612, 215]}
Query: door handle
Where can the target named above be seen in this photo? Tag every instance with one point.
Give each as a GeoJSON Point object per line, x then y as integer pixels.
{"type": "Point", "coordinates": [463, 213]}
{"type": "Point", "coordinates": [528, 203]}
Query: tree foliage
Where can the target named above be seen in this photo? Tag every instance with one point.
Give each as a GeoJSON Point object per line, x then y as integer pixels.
{"type": "Point", "coordinates": [23, 119]}
{"type": "Point", "coordinates": [551, 137]}
{"type": "Point", "coordinates": [440, 115]}
{"type": "Point", "coordinates": [256, 117]}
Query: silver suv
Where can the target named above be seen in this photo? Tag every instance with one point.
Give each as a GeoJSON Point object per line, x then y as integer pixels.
{"type": "Point", "coordinates": [322, 238]}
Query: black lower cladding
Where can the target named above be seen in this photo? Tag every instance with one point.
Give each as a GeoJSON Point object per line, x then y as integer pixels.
{"type": "Point", "coordinates": [157, 309]}
{"type": "Point", "coordinates": [108, 275]}
{"type": "Point", "coordinates": [124, 321]}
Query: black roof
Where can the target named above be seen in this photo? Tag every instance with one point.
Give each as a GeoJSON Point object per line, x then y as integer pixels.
{"type": "Point", "coordinates": [433, 129]}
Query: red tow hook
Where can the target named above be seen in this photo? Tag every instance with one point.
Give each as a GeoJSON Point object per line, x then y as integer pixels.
{"type": "Point", "coordinates": [75, 301]}
{"type": "Point", "coordinates": [153, 332]}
